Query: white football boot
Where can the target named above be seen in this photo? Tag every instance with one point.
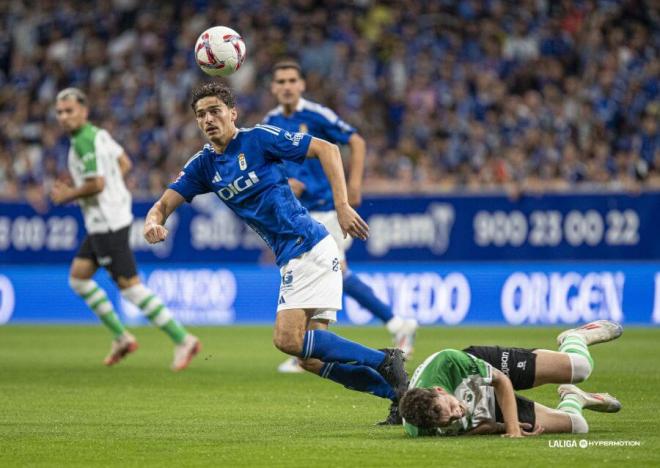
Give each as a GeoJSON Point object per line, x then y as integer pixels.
{"type": "Point", "coordinates": [290, 366]}
{"type": "Point", "coordinates": [184, 352]}
{"type": "Point", "coordinates": [121, 347]}
{"type": "Point", "coordinates": [601, 402]}
{"type": "Point", "coordinates": [593, 333]}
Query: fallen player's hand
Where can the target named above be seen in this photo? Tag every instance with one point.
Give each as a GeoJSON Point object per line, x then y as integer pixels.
{"type": "Point", "coordinates": [155, 233]}
{"type": "Point", "coordinates": [513, 433]}
{"type": "Point", "coordinates": [351, 223]}
{"type": "Point", "coordinates": [536, 430]}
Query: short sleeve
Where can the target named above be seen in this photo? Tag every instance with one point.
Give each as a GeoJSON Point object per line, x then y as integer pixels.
{"type": "Point", "coordinates": [113, 148]}
{"type": "Point", "coordinates": [337, 131]}
{"type": "Point", "coordinates": [83, 146]}
{"type": "Point", "coordinates": [190, 181]}
{"type": "Point", "coordinates": [283, 145]}
{"type": "Point", "coordinates": [485, 371]}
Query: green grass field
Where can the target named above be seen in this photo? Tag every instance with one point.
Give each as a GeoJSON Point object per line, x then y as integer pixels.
{"type": "Point", "coordinates": [60, 406]}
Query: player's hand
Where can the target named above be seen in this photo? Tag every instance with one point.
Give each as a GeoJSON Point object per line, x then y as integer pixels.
{"type": "Point", "coordinates": [351, 223]}
{"type": "Point", "coordinates": [60, 193]}
{"type": "Point", "coordinates": [527, 430]}
{"type": "Point", "coordinates": [354, 195]}
{"type": "Point", "coordinates": [512, 431]}
{"type": "Point", "coordinates": [155, 233]}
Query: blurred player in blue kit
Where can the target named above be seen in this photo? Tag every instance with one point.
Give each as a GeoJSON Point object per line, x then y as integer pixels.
{"type": "Point", "coordinates": [243, 168]}
{"type": "Point", "coordinates": [310, 184]}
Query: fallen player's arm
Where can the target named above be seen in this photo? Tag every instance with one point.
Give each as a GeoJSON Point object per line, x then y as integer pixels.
{"type": "Point", "coordinates": [506, 398]}
{"type": "Point", "coordinates": [486, 427]}
{"type": "Point", "coordinates": [154, 231]}
{"type": "Point", "coordinates": [351, 223]}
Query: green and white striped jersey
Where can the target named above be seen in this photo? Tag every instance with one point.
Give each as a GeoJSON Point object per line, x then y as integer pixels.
{"type": "Point", "coordinates": [94, 153]}
{"type": "Point", "coordinates": [466, 377]}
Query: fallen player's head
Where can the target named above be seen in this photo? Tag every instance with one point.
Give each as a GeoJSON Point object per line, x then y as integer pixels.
{"type": "Point", "coordinates": [427, 408]}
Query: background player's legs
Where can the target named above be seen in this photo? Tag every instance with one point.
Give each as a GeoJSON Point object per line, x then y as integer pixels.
{"type": "Point", "coordinates": [187, 345]}
{"type": "Point", "coordinates": [151, 306]}
{"type": "Point", "coordinates": [80, 280]}
{"type": "Point", "coordinates": [402, 330]}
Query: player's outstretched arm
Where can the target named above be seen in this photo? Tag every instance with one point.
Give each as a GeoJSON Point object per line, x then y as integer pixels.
{"type": "Point", "coordinates": [351, 223]}
{"type": "Point", "coordinates": [154, 231]}
{"type": "Point", "coordinates": [506, 398]}
{"type": "Point", "coordinates": [356, 169]}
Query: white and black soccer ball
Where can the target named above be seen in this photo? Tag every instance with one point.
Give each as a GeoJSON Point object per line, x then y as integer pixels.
{"type": "Point", "coordinates": [220, 51]}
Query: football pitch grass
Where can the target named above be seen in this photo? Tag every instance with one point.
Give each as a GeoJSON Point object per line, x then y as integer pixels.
{"type": "Point", "coordinates": [60, 407]}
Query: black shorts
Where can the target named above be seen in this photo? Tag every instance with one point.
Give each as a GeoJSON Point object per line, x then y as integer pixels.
{"type": "Point", "coordinates": [519, 364]}
{"type": "Point", "coordinates": [526, 413]}
{"type": "Point", "coordinates": [111, 251]}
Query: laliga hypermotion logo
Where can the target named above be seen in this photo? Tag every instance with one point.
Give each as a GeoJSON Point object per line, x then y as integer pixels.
{"type": "Point", "coordinates": [213, 61]}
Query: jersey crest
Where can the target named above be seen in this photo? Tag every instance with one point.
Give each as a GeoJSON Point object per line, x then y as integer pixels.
{"type": "Point", "coordinates": [242, 162]}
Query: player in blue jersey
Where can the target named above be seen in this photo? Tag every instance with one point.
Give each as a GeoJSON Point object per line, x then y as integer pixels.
{"type": "Point", "coordinates": [309, 183]}
{"type": "Point", "coordinates": [243, 168]}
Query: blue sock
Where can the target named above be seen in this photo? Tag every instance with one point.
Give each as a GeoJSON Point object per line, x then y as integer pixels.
{"type": "Point", "coordinates": [360, 378]}
{"type": "Point", "coordinates": [364, 295]}
{"type": "Point", "coordinates": [328, 347]}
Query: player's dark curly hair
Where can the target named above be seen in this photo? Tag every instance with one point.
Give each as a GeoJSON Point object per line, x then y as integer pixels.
{"type": "Point", "coordinates": [417, 408]}
{"type": "Point", "coordinates": [213, 88]}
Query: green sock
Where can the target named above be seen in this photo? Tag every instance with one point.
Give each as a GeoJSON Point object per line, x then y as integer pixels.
{"type": "Point", "coordinates": [98, 301]}
{"type": "Point", "coordinates": [576, 344]}
{"type": "Point", "coordinates": [154, 309]}
{"type": "Point", "coordinates": [571, 404]}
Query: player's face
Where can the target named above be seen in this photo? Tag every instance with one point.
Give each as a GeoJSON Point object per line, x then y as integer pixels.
{"type": "Point", "coordinates": [71, 115]}
{"type": "Point", "coordinates": [215, 119]}
{"type": "Point", "coordinates": [449, 408]}
{"type": "Point", "coordinates": [287, 86]}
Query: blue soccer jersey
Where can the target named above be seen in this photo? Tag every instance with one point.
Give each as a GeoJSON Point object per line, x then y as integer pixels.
{"type": "Point", "coordinates": [249, 178]}
{"type": "Point", "coordinates": [321, 122]}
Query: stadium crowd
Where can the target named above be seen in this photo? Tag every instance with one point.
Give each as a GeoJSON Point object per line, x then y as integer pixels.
{"type": "Point", "coordinates": [535, 95]}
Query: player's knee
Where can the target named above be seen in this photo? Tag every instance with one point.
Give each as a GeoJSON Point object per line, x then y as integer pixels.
{"type": "Point", "coordinates": [311, 365]}
{"type": "Point", "coordinates": [287, 342]}
{"type": "Point", "coordinates": [579, 424]}
{"type": "Point", "coordinates": [80, 286]}
{"type": "Point", "coordinates": [581, 368]}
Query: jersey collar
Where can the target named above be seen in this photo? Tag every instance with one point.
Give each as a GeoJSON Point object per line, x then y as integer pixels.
{"type": "Point", "coordinates": [299, 107]}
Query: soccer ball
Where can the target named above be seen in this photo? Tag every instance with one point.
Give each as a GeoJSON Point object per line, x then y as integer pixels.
{"type": "Point", "coordinates": [220, 51]}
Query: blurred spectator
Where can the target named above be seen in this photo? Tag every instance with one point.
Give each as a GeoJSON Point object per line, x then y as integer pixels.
{"type": "Point", "coordinates": [451, 95]}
